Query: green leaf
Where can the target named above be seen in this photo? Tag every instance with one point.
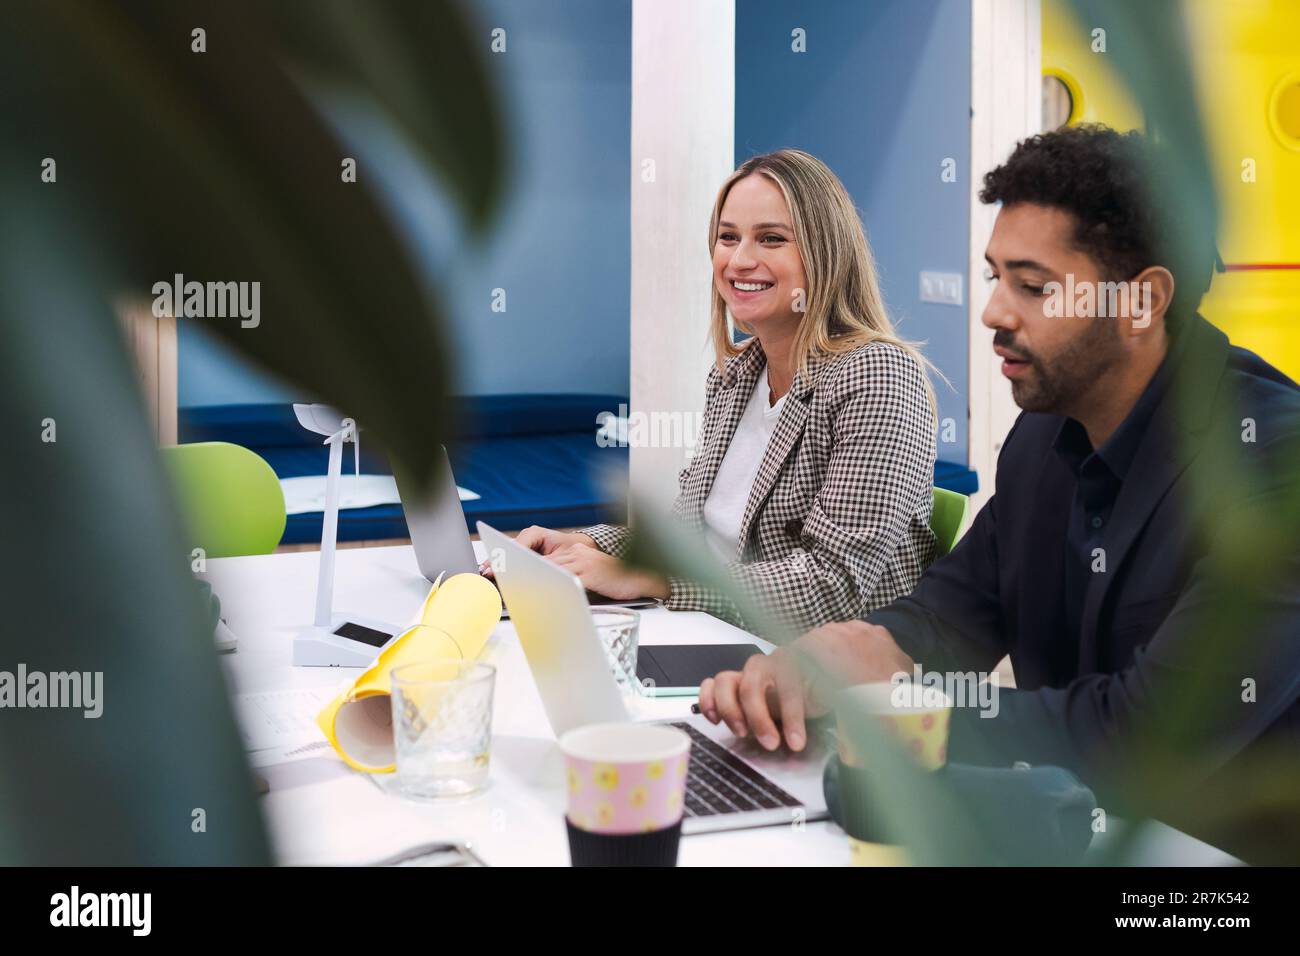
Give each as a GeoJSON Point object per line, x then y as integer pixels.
{"type": "Point", "coordinates": [217, 166]}
{"type": "Point", "coordinates": [94, 579]}
{"type": "Point", "coordinates": [345, 43]}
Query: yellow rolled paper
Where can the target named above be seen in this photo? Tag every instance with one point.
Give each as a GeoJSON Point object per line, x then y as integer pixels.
{"type": "Point", "coordinates": [459, 616]}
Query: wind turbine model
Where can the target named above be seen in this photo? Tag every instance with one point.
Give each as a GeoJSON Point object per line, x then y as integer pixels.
{"type": "Point", "coordinates": [335, 640]}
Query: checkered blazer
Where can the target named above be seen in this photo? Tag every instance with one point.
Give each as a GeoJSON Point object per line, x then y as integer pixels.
{"type": "Point", "coordinates": [838, 518]}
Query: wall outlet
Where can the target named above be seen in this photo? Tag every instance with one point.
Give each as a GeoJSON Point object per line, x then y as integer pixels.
{"type": "Point", "coordinates": [941, 287]}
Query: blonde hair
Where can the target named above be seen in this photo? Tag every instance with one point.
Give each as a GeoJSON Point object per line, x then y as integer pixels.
{"type": "Point", "coordinates": [844, 308]}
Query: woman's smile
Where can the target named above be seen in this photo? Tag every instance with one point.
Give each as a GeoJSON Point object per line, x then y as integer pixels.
{"type": "Point", "coordinates": [745, 290]}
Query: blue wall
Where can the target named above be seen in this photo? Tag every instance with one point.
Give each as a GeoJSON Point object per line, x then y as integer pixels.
{"type": "Point", "coordinates": [561, 246]}
{"type": "Point", "coordinates": [882, 96]}
{"type": "Point", "coordinates": [209, 373]}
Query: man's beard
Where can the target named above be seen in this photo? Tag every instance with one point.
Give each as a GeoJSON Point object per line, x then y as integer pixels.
{"type": "Point", "coordinates": [1055, 384]}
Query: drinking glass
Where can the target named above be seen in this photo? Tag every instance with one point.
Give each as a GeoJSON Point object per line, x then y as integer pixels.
{"type": "Point", "coordinates": [442, 726]}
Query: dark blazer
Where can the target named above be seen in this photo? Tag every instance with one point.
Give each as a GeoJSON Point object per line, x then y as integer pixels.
{"type": "Point", "coordinates": [1083, 699]}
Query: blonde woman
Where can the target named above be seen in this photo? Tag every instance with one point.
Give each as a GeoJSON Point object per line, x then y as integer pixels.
{"type": "Point", "coordinates": [813, 476]}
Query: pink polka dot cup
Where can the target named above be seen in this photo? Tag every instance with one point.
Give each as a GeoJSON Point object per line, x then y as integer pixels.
{"type": "Point", "coordinates": [625, 786]}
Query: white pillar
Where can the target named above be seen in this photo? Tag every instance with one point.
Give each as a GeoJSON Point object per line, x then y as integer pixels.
{"type": "Point", "coordinates": [1006, 106]}
{"type": "Point", "coordinates": [683, 120]}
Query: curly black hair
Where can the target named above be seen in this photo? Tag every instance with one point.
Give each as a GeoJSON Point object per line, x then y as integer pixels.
{"type": "Point", "coordinates": [1101, 178]}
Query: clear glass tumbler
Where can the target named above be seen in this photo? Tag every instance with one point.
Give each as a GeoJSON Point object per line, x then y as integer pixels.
{"type": "Point", "coordinates": [619, 630]}
{"type": "Point", "coordinates": [442, 726]}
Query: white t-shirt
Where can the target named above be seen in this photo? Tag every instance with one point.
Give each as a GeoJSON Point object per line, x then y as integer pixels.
{"type": "Point", "coordinates": [725, 506]}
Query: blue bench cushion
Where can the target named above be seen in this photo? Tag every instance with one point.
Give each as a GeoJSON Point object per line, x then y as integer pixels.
{"type": "Point", "coordinates": [532, 459]}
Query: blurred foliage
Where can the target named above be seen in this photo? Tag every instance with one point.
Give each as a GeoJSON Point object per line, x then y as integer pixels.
{"type": "Point", "coordinates": [220, 166]}
{"type": "Point", "coordinates": [1162, 772]}
{"type": "Point", "coordinates": [1254, 815]}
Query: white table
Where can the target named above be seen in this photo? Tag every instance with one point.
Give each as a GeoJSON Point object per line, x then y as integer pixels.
{"type": "Point", "coordinates": [320, 812]}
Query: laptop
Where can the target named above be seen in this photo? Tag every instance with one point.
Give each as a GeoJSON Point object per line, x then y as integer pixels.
{"type": "Point", "coordinates": [436, 523]}
{"type": "Point", "coordinates": [731, 784]}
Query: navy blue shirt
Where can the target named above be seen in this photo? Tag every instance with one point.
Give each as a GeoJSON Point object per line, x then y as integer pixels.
{"type": "Point", "coordinates": [1099, 475]}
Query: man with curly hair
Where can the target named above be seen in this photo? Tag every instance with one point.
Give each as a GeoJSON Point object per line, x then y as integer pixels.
{"type": "Point", "coordinates": [1094, 564]}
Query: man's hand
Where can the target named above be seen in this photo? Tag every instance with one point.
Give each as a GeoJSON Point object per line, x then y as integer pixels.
{"type": "Point", "coordinates": [800, 680]}
{"type": "Point", "coordinates": [607, 575]}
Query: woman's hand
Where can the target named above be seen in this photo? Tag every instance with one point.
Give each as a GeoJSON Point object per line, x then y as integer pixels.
{"type": "Point", "coordinates": [607, 575]}
{"type": "Point", "coordinates": [544, 541]}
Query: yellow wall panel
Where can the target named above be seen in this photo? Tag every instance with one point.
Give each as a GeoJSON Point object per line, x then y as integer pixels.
{"type": "Point", "coordinates": [1246, 57]}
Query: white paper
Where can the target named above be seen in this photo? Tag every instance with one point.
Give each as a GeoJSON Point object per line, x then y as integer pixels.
{"type": "Point", "coordinates": [282, 719]}
{"type": "Point", "coordinates": [307, 494]}
{"type": "Point", "coordinates": [289, 753]}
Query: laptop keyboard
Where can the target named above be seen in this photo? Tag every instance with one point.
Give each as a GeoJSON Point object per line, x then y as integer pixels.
{"type": "Point", "coordinates": [718, 781]}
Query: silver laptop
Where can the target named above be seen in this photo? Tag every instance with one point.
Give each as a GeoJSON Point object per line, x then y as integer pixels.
{"type": "Point", "coordinates": [436, 523]}
{"type": "Point", "coordinates": [732, 784]}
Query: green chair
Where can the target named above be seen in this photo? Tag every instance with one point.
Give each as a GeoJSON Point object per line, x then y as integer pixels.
{"type": "Point", "coordinates": [948, 518]}
{"type": "Point", "coordinates": [230, 497]}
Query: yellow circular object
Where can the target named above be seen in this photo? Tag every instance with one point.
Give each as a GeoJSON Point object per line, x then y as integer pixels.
{"type": "Point", "coordinates": [1284, 111]}
{"type": "Point", "coordinates": [1072, 86]}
